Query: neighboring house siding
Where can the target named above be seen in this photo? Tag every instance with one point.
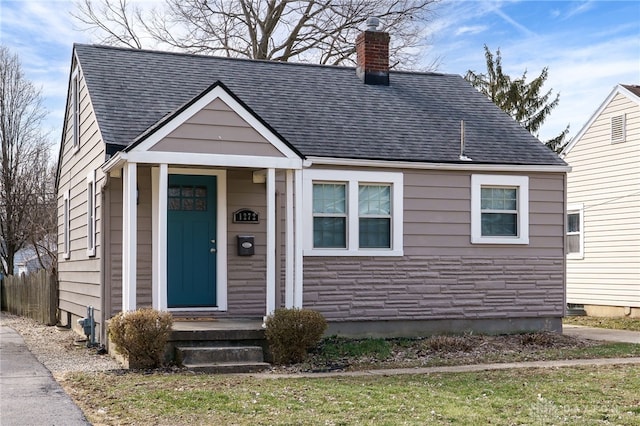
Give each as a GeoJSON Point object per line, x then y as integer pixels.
{"type": "Point", "coordinates": [217, 129]}
{"type": "Point", "coordinates": [79, 276]}
{"type": "Point", "coordinates": [443, 275]}
{"type": "Point", "coordinates": [605, 179]}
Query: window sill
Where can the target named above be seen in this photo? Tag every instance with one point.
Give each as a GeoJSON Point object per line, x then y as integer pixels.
{"type": "Point", "coordinates": [500, 240]}
{"type": "Point", "coordinates": [352, 253]}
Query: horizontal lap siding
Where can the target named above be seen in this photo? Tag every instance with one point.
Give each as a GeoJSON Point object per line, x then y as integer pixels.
{"type": "Point", "coordinates": [144, 296]}
{"type": "Point", "coordinates": [442, 275]}
{"type": "Point", "coordinates": [246, 274]}
{"type": "Point", "coordinates": [79, 276]}
{"type": "Point", "coordinates": [606, 180]}
{"type": "Point", "coordinates": [217, 129]}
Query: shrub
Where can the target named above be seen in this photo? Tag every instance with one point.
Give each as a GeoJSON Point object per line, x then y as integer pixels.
{"type": "Point", "coordinates": [446, 343]}
{"type": "Point", "coordinates": [141, 336]}
{"type": "Point", "coordinates": [292, 332]}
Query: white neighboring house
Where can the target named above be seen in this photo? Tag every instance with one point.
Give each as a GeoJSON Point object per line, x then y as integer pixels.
{"type": "Point", "coordinates": [603, 207]}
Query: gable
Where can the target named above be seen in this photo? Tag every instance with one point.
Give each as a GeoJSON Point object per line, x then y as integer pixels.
{"type": "Point", "coordinates": [199, 127]}
{"type": "Point", "coordinates": [622, 109]}
{"type": "Point", "coordinates": [216, 129]}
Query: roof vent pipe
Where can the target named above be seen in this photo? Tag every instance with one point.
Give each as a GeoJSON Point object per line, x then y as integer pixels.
{"type": "Point", "coordinates": [463, 157]}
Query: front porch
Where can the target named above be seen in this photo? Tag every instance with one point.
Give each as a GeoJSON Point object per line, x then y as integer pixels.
{"type": "Point", "coordinates": [219, 346]}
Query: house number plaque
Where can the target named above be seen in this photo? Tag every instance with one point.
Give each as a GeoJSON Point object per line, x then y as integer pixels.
{"type": "Point", "coordinates": [245, 216]}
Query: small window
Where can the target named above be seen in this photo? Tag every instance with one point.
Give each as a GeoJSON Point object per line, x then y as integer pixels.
{"type": "Point", "coordinates": [618, 128]}
{"type": "Point", "coordinates": [575, 236]}
{"type": "Point", "coordinates": [356, 214]}
{"type": "Point", "coordinates": [67, 226]}
{"type": "Point", "coordinates": [75, 109]}
{"type": "Point", "coordinates": [499, 209]}
{"type": "Point", "coordinates": [187, 198]}
{"type": "Point", "coordinates": [91, 214]}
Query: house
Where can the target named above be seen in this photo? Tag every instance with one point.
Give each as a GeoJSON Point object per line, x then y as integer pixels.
{"type": "Point", "coordinates": [394, 203]}
{"type": "Point", "coordinates": [603, 196]}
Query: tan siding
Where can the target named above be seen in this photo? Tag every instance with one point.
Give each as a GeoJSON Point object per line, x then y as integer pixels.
{"type": "Point", "coordinates": [216, 129]}
{"type": "Point", "coordinates": [437, 216]}
{"type": "Point", "coordinates": [79, 276]}
{"type": "Point", "coordinates": [144, 296]}
{"type": "Point", "coordinates": [442, 275]}
{"type": "Point", "coordinates": [246, 275]}
{"type": "Point", "coordinates": [606, 180]}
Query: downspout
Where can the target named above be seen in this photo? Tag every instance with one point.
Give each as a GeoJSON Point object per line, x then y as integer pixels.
{"type": "Point", "coordinates": [105, 306]}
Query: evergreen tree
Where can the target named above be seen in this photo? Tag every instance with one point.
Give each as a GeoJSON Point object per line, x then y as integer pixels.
{"type": "Point", "coordinates": [522, 100]}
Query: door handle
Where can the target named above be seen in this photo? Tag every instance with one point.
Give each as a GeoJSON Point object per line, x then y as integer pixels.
{"type": "Point", "coordinates": [212, 250]}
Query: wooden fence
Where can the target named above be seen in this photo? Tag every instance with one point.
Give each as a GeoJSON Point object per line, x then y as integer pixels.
{"type": "Point", "coordinates": [34, 296]}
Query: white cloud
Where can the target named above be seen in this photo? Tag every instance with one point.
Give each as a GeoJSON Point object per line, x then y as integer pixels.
{"type": "Point", "coordinates": [475, 29]}
{"type": "Point", "coordinates": [577, 9]}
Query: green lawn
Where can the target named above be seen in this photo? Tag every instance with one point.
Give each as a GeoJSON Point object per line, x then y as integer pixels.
{"type": "Point", "coordinates": [572, 396]}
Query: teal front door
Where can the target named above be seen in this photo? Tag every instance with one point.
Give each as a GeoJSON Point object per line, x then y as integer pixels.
{"type": "Point", "coordinates": [191, 241]}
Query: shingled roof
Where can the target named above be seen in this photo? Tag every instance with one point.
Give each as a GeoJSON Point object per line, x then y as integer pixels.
{"type": "Point", "coordinates": [322, 111]}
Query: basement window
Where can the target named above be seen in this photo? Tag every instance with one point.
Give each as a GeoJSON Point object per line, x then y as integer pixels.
{"type": "Point", "coordinates": [618, 128]}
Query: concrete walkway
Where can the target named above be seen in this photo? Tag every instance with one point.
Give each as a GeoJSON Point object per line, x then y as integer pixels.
{"type": "Point", "coordinates": [601, 334]}
{"type": "Point", "coordinates": [29, 395]}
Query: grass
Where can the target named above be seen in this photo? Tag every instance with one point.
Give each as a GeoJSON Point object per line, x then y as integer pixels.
{"type": "Point", "coordinates": [632, 324]}
{"type": "Point", "coordinates": [574, 396]}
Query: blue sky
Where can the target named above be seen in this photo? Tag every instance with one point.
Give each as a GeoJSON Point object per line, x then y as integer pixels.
{"type": "Point", "coordinates": [588, 46]}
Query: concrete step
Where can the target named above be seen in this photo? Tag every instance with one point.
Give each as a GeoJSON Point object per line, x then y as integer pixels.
{"type": "Point", "coordinates": [196, 355]}
{"type": "Point", "coordinates": [229, 367]}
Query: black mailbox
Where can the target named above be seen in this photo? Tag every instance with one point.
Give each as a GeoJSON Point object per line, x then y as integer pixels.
{"type": "Point", "coordinates": [246, 245]}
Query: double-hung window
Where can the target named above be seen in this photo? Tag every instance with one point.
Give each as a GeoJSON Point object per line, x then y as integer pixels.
{"type": "Point", "coordinates": [499, 209]}
{"type": "Point", "coordinates": [353, 213]}
{"type": "Point", "coordinates": [575, 236]}
{"type": "Point", "coordinates": [91, 214]}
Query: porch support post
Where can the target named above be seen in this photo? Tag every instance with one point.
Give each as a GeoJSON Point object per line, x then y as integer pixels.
{"type": "Point", "coordinates": [129, 236]}
{"type": "Point", "coordinates": [271, 241]}
{"type": "Point", "coordinates": [290, 248]}
{"type": "Point", "coordinates": [298, 264]}
{"type": "Point", "coordinates": [159, 185]}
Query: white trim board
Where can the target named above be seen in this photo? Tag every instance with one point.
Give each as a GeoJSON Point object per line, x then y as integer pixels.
{"type": "Point", "coordinates": [217, 92]}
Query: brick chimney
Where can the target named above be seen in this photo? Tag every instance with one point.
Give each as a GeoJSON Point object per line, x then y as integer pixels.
{"type": "Point", "coordinates": [372, 50]}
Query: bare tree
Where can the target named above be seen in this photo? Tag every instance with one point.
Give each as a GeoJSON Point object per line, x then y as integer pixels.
{"type": "Point", "coordinates": [321, 31]}
{"type": "Point", "coordinates": [24, 165]}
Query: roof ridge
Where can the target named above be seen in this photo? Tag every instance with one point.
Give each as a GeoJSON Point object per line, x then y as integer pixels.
{"type": "Point", "coordinates": [228, 58]}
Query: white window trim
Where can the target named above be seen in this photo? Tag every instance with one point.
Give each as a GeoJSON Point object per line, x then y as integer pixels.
{"type": "Point", "coordinates": [623, 132]}
{"type": "Point", "coordinates": [67, 225]}
{"type": "Point", "coordinates": [353, 179]}
{"type": "Point", "coordinates": [577, 208]}
{"type": "Point", "coordinates": [519, 182]}
{"type": "Point", "coordinates": [91, 214]}
{"type": "Point", "coordinates": [75, 109]}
